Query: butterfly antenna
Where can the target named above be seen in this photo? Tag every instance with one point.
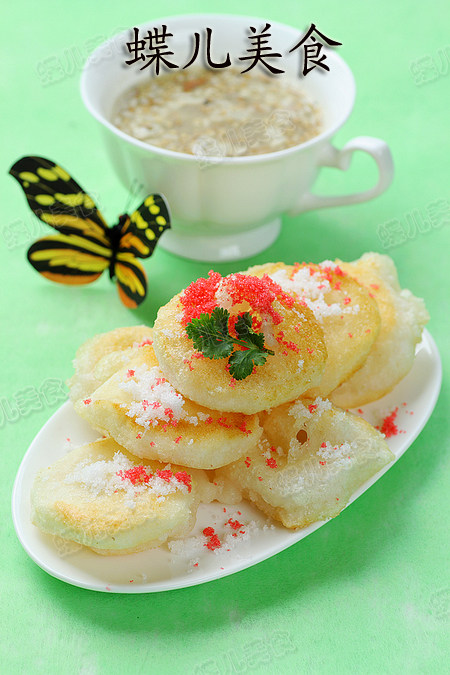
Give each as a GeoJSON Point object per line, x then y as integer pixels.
{"type": "Point", "coordinates": [136, 187]}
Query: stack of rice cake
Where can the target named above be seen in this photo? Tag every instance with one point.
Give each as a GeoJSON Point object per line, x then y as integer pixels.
{"type": "Point", "coordinates": [179, 427]}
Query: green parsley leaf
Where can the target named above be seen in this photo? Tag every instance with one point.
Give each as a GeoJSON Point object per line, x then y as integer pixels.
{"type": "Point", "coordinates": [211, 337]}
{"type": "Point", "coordinates": [242, 362]}
{"type": "Point", "coordinates": [209, 333]}
{"type": "Point", "coordinates": [243, 327]}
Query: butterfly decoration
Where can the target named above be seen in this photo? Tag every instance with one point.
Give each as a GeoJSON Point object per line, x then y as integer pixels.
{"type": "Point", "coordinates": [85, 246]}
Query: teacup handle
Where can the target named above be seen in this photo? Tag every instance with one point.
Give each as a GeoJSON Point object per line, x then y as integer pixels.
{"type": "Point", "coordinates": [341, 159]}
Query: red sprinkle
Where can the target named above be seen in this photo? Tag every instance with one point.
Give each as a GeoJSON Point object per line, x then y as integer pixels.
{"type": "Point", "coordinates": [388, 427]}
{"type": "Point", "coordinates": [214, 541]}
{"type": "Point", "coordinates": [328, 272]}
{"type": "Point", "coordinates": [271, 462]}
{"type": "Point", "coordinates": [222, 421]}
{"type": "Point", "coordinates": [200, 296]}
{"type": "Point", "coordinates": [235, 524]}
{"type": "Point", "coordinates": [242, 427]}
{"type": "Point", "coordinates": [87, 401]}
{"type": "Point", "coordinates": [165, 474]}
{"type": "Point", "coordinates": [312, 407]}
{"type": "Point", "coordinates": [137, 475]}
{"type": "Point", "coordinates": [295, 268]}
{"type": "Point", "coordinates": [259, 293]}
{"type": "Point", "coordinates": [247, 461]}
{"type": "Point", "coordinates": [184, 477]}
{"type": "Point", "coordinates": [287, 343]}
{"type": "Point", "coordinates": [130, 373]}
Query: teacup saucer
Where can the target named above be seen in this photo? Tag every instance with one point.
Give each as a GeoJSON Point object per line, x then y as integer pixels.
{"type": "Point", "coordinates": [221, 248]}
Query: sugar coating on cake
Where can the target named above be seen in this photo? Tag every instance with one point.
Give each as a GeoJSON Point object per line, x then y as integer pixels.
{"type": "Point", "coordinates": [289, 329]}
{"type": "Point", "coordinates": [105, 477]}
{"type": "Point", "coordinates": [154, 398]}
{"type": "Point", "coordinates": [311, 283]}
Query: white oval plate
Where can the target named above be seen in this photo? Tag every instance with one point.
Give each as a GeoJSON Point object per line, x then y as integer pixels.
{"type": "Point", "coordinates": [192, 563]}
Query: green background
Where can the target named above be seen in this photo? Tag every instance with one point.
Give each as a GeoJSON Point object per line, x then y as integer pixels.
{"type": "Point", "coordinates": [370, 591]}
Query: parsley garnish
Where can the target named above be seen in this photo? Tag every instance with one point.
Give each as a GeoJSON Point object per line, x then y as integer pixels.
{"type": "Point", "coordinates": [211, 337]}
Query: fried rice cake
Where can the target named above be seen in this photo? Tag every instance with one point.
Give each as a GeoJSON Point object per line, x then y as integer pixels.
{"type": "Point", "coordinates": [403, 317]}
{"type": "Point", "coordinates": [344, 309]}
{"type": "Point", "coordinates": [310, 460]}
{"type": "Point", "coordinates": [142, 411]}
{"type": "Point", "coordinates": [100, 496]}
{"type": "Point", "coordinates": [289, 329]}
{"type": "Point", "coordinates": [101, 356]}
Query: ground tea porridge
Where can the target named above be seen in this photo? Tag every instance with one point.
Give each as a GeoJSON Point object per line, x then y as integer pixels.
{"type": "Point", "coordinates": [219, 114]}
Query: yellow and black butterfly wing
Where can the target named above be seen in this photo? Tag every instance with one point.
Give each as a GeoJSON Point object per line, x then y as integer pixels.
{"type": "Point", "coordinates": [57, 199]}
{"type": "Point", "coordinates": [138, 237]}
{"type": "Point", "coordinates": [141, 231]}
{"type": "Point", "coordinates": [85, 246]}
{"type": "Point", "coordinates": [131, 279]}
{"type": "Point", "coordinates": [69, 258]}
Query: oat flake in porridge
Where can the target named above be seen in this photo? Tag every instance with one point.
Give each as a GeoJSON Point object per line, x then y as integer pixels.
{"type": "Point", "coordinates": [218, 114]}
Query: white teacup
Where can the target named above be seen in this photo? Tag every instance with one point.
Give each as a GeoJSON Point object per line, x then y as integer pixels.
{"type": "Point", "coordinates": [227, 208]}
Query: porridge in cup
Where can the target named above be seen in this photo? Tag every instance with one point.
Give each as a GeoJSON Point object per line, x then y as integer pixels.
{"type": "Point", "coordinates": [219, 113]}
{"type": "Point", "coordinates": [227, 207]}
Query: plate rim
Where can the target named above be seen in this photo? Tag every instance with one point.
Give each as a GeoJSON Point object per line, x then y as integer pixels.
{"type": "Point", "coordinates": [292, 536]}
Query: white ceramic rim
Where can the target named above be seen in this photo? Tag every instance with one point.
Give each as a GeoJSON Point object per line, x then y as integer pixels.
{"type": "Point", "coordinates": [250, 159]}
{"type": "Point", "coordinates": [399, 444]}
